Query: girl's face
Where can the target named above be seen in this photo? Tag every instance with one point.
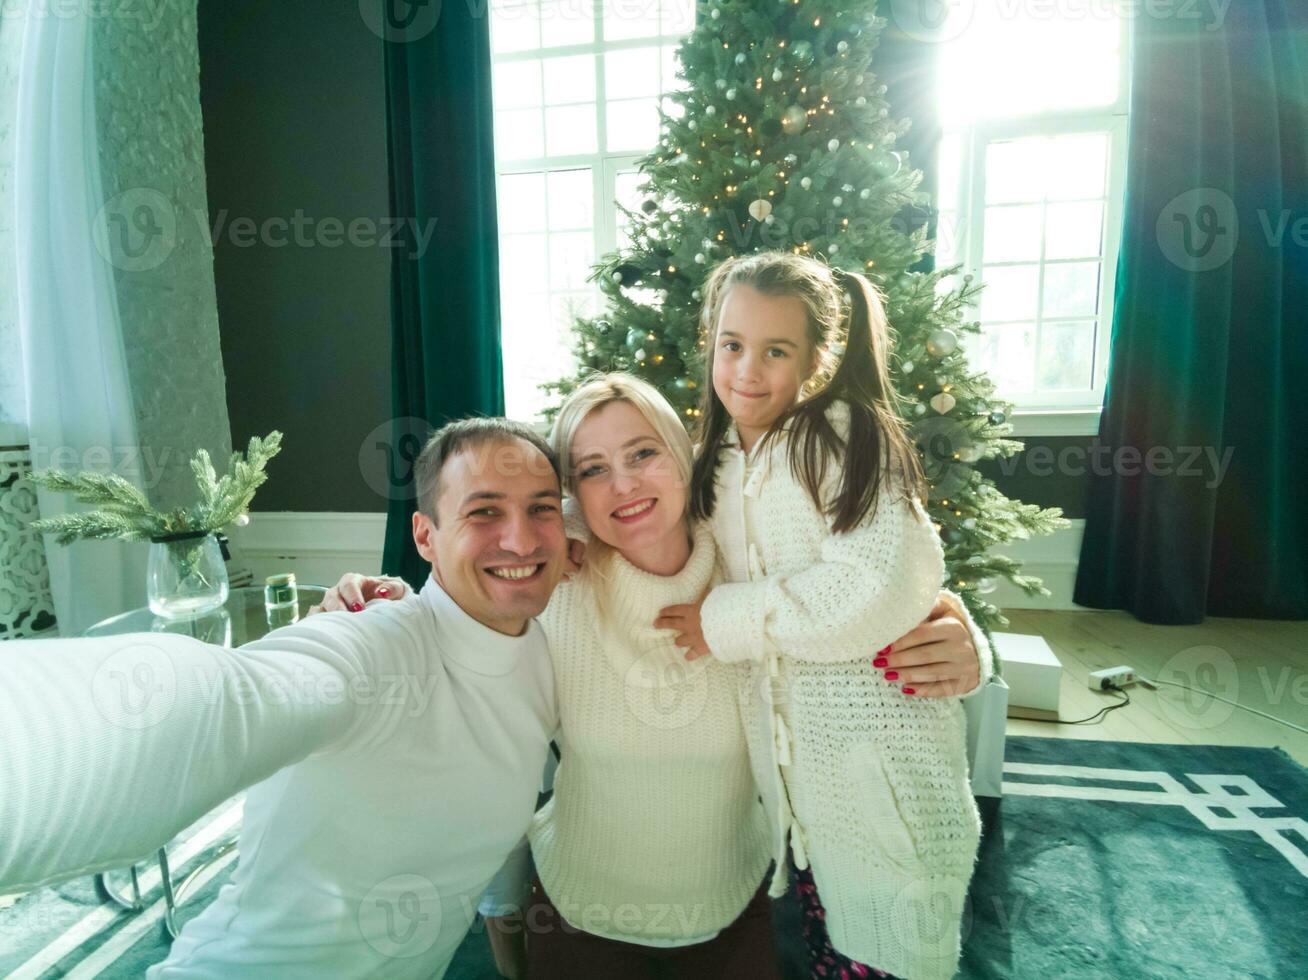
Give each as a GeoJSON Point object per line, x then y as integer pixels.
{"type": "Point", "coordinates": [762, 357]}
{"type": "Point", "coordinates": [630, 490]}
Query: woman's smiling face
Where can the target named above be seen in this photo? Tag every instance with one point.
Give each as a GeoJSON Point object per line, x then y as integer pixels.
{"type": "Point", "coordinates": [627, 481]}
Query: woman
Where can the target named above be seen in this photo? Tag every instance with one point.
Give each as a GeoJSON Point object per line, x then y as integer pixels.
{"type": "Point", "coordinates": [651, 855]}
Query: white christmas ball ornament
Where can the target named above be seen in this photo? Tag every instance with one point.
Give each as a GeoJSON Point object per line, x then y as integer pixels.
{"type": "Point", "coordinates": [760, 209]}
{"type": "Point", "coordinates": [806, 182]}
{"type": "Point", "coordinates": [942, 342]}
{"type": "Point", "coordinates": [943, 402]}
{"type": "Point", "coordinates": [833, 145]}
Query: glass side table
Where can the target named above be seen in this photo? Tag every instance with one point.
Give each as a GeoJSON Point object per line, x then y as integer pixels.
{"type": "Point", "coordinates": [238, 621]}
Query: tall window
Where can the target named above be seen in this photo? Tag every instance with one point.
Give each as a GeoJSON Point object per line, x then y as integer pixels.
{"type": "Point", "coordinates": [1034, 105]}
{"type": "Point", "coordinates": [577, 88]}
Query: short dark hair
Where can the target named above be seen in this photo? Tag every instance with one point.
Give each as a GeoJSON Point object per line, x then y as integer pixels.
{"type": "Point", "coordinates": [470, 433]}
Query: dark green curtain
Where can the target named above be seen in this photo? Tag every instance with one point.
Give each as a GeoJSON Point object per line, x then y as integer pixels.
{"type": "Point", "coordinates": [1209, 342]}
{"type": "Point", "coordinates": [907, 66]}
{"type": "Point", "coordinates": [445, 315]}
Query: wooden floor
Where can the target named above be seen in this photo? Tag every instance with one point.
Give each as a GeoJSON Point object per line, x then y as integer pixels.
{"type": "Point", "coordinates": [1267, 669]}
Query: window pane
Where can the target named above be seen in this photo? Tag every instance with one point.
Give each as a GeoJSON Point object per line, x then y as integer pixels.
{"type": "Point", "coordinates": [570, 129]}
{"type": "Point", "coordinates": [1074, 231]}
{"type": "Point", "coordinates": [626, 19]}
{"type": "Point", "coordinates": [517, 84]}
{"type": "Point", "coordinates": [525, 255]}
{"type": "Point", "coordinates": [571, 199]}
{"type": "Point", "coordinates": [519, 134]}
{"type": "Point", "coordinates": [572, 254]}
{"type": "Point", "coordinates": [631, 73]}
{"type": "Point", "coordinates": [1015, 171]}
{"type": "Point", "coordinates": [678, 16]}
{"type": "Point", "coordinates": [1004, 352]}
{"type": "Point", "coordinates": [669, 66]}
{"type": "Point", "coordinates": [1013, 234]}
{"type": "Point", "coordinates": [1010, 292]}
{"type": "Point", "coordinates": [520, 202]}
{"type": "Point", "coordinates": [566, 22]}
{"type": "Point", "coordinates": [633, 124]}
{"type": "Point", "coordinates": [1072, 289]}
{"type": "Point", "coordinates": [1003, 58]}
{"type": "Point", "coordinates": [1077, 166]}
{"type": "Point", "coordinates": [570, 80]}
{"type": "Point", "coordinates": [1066, 355]}
{"type": "Point", "coordinates": [515, 26]}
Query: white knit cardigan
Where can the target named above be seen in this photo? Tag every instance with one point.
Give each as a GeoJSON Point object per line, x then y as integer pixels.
{"type": "Point", "coordinates": [868, 785]}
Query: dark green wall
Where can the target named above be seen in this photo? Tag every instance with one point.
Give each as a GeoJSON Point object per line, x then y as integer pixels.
{"type": "Point", "coordinates": [1052, 471]}
{"type": "Point", "coordinates": [294, 122]}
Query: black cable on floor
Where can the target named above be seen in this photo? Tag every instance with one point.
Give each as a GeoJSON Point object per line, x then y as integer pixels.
{"type": "Point", "coordinates": [1125, 700]}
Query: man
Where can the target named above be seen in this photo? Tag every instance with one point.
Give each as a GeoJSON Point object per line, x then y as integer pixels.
{"type": "Point", "coordinates": [393, 756]}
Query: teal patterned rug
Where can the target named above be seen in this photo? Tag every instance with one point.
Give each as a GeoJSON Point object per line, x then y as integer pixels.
{"type": "Point", "coordinates": [1105, 860]}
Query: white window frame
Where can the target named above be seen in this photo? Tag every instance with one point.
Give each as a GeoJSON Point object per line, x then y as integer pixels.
{"type": "Point", "coordinates": [604, 166]}
{"type": "Point", "coordinates": [1072, 413]}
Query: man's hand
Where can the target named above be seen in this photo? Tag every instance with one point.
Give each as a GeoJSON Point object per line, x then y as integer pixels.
{"type": "Point", "coordinates": [936, 658]}
{"type": "Point", "coordinates": [354, 591]}
{"type": "Point", "coordinates": [508, 943]}
{"type": "Point", "coordinates": [685, 619]}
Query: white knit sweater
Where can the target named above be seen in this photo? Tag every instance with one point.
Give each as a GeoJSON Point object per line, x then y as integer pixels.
{"type": "Point", "coordinates": [655, 834]}
{"type": "Point", "coordinates": [867, 784]}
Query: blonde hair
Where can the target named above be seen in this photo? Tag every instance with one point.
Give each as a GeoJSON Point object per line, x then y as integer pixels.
{"type": "Point", "coordinates": [594, 393]}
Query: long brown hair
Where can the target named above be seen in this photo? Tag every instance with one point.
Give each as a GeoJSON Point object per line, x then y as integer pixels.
{"type": "Point", "coordinates": [851, 337]}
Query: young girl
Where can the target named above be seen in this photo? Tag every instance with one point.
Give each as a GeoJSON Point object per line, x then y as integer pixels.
{"type": "Point", "coordinates": [808, 478]}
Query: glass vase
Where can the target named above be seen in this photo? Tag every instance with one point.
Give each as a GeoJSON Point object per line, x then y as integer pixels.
{"type": "Point", "coordinates": [186, 576]}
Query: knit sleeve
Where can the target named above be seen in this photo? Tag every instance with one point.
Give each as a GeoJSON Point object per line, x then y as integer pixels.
{"type": "Point", "coordinates": [110, 746]}
{"type": "Point", "coordinates": [984, 653]}
{"type": "Point", "coordinates": [870, 585]}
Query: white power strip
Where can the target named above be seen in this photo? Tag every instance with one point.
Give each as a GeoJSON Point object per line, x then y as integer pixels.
{"type": "Point", "coordinates": [1100, 680]}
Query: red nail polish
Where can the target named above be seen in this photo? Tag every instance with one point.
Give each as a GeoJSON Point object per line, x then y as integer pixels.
{"type": "Point", "coordinates": [884, 650]}
{"type": "Point", "coordinates": [892, 675]}
{"type": "Point", "coordinates": [880, 662]}
{"type": "Point", "coordinates": [383, 591]}
{"type": "Point", "coordinates": [908, 690]}
{"type": "Point", "coordinates": [356, 606]}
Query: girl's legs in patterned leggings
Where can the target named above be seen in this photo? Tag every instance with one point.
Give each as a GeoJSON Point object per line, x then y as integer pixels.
{"type": "Point", "coordinates": [824, 962]}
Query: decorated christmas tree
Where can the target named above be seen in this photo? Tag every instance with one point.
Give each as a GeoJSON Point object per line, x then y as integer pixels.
{"type": "Point", "coordinates": [783, 138]}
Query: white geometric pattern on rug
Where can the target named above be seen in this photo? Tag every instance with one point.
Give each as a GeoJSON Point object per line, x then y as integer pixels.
{"type": "Point", "coordinates": [1171, 792]}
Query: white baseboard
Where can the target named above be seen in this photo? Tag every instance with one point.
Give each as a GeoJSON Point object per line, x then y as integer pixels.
{"type": "Point", "coordinates": [317, 547]}
{"type": "Point", "coordinates": [320, 547]}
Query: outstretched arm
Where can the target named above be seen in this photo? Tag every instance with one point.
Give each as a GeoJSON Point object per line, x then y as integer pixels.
{"type": "Point", "coordinates": [110, 746]}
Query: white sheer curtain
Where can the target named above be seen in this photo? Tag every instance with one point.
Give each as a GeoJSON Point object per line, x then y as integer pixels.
{"type": "Point", "coordinates": [79, 405]}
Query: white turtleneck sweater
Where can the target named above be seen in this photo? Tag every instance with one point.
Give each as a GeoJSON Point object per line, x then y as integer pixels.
{"type": "Point", "coordinates": [400, 752]}
{"type": "Point", "coordinates": [655, 834]}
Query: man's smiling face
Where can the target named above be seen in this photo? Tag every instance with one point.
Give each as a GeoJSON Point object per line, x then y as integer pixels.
{"type": "Point", "coordinates": [497, 546]}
